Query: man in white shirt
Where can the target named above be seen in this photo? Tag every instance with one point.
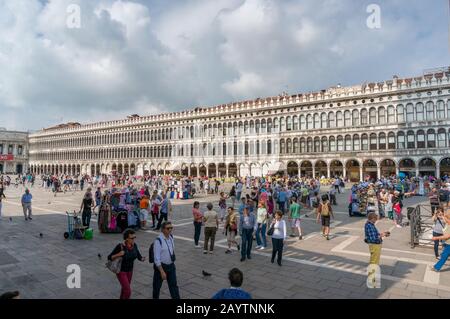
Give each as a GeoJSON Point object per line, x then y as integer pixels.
{"type": "Point", "coordinates": [164, 266]}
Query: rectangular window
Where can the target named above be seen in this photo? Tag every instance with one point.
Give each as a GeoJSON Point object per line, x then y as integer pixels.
{"type": "Point", "coordinates": [420, 141]}
{"type": "Point", "coordinates": [391, 142]}
{"type": "Point", "coordinates": [332, 145]}
{"type": "Point", "coordinates": [356, 144]}
{"type": "Point", "coordinates": [382, 142]}
{"type": "Point", "coordinates": [340, 145]}
{"type": "Point", "coordinates": [364, 144]}
{"type": "Point", "coordinates": [411, 141]}
{"type": "Point", "coordinates": [10, 149]}
{"type": "Point", "coordinates": [20, 150]}
{"type": "Point", "coordinates": [401, 142]}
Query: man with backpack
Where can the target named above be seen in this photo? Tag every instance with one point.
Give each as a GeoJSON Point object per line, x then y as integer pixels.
{"type": "Point", "coordinates": [325, 212]}
{"type": "Point", "coordinates": [162, 255]}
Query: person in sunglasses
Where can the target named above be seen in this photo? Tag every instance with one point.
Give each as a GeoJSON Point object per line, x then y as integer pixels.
{"type": "Point", "coordinates": [129, 251]}
{"type": "Point", "coordinates": [164, 266]}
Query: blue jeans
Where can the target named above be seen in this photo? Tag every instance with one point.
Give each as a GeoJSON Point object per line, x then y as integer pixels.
{"type": "Point", "coordinates": [281, 206]}
{"type": "Point", "coordinates": [436, 244]}
{"type": "Point", "coordinates": [261, 235]}
{"type": "Point", "coordinates": [444, 256]}
{"type": "Point", "coordinates": [198, 229]}
{"type": "Point", "coordinates": [247, 241]}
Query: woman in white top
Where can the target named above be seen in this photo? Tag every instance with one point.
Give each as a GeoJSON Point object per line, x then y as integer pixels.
{"type": "Point", "coordinates": [278, 236]}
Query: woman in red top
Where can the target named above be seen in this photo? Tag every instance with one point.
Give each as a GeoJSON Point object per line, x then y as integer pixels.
{"type": "Point", "coordinates": [198, 220]}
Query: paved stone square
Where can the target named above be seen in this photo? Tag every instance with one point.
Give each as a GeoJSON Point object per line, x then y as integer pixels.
{"type": "Point", "coordinates": [312, 267]}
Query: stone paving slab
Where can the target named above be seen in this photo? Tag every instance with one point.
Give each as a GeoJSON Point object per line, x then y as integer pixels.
{"type": "Point", "coordinates": [312, 268]}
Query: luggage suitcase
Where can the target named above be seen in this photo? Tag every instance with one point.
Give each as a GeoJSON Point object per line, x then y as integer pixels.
{"type": "Point", "coordinates": [88, 234]}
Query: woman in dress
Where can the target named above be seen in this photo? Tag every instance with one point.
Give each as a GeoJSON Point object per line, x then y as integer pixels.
{"type": "Point", "coordinates": [231, 229]}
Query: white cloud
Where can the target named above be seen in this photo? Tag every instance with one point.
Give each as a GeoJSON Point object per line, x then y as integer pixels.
{"type": "Point", "coordinates": [143, 57]}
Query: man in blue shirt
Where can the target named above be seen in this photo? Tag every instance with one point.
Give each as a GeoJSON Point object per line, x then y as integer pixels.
{"type": "Point", "coordinates": [236, 278]}
{"type": "Point", "coordinates": [26, 204]}
{"type": "Point", "coordinates": [247, 224]}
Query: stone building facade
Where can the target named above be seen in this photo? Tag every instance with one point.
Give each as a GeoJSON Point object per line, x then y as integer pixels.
{"type": "Point", "coordinates": [13, 152]}
{"type": "Point", "coordinates": [377, 129]}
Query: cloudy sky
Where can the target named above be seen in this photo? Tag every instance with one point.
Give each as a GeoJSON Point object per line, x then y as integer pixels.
{"type": "Point", "coordinates": [154, 56]}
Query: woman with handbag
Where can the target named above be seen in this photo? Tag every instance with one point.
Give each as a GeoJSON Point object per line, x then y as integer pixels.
{"type": "Point", "coordinates": [122, 261]}
{"type": "Point", "coordinates": [231, 228]}
{"type": "Point", "coordinates": [278, 232]}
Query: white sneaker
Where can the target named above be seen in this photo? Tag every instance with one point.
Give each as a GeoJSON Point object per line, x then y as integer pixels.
{"type": "Point", "coordinates": [398, 226]}
{"type": "Point", "coordinates": [258, 247]}
{"type": "Point", "coordinates": [261, 248]}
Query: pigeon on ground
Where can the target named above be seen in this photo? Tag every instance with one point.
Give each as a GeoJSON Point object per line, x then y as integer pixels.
{"type": "Point", "coordinates": [99, 256]}
{"type": "Point", "coordinates": [41, 235]}
{"type": "Point", "coordinates": [206, 274]}
{"type": "Point", "coordinates": [10, 219]}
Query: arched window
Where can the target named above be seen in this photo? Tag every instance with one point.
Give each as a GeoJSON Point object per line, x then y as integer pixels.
{"type": "Point", "coordinates": [347, 119]}
{"type": "Point", "coordinates": [316, 121]}
{"type": "Point", "coordinates": [235, 148]}
{"type": "Point", "coordinates": [276, 125]}
{"type": "Point", "coordinates": [420, 116]}
{"type": "Point", "coordinates": [323, 120]}
{"type": "Point", "coordinates": [269, 147]}
{"type": "Point", "coordinates": [269, 126]}
{"type": "Point", "coordinates": [332, 142]}
{"type": "Point", "coordinates": [409, 112]}
{"type": "Point", "coordinates": [440, 110]}
{"type": "Point", "coordinates": [340, 143]}
{"type": "Point", "coordinates": [373, 116]}
{"type": "Point", "coordinates": [382, 141]}
{"type": "Point", "coordinates": [324, 144]}
{"type": "Point", "coordinates": [410, 139]}
{"type": "Point", "coordinates": [420, 139]}
{"type": "Point", "coordinates": [263, 126]}
{"type": "Point", "coordinates": [295, 122]}
{"type": "Point", "coordinates": [448, 108]}
{"type": "Point", "coordinates": [257, 148]}
{"type": "Point", "coordinates": [364, 142]}
{"type": "Point", "coordinates": [282, 124]}
{"type": "Point", "coordinates": [289, 123]}
{"type": "Point", "coordinates": [391, 141]}
{"type": "Point", "coordinates": [373, 141]}
{"type": "Point", "coordinates": [356, 145]}
{"type": "Point", "coordinates": [288, 146]}
{"type": "Point", "coordinates": [302, 122]}
{"type": "Point", "coordinates": [348, 143]}
{"type": "Point", "coordinates": [309, 122]}
{"type": "Point", "coordinates": [381, 115]}
{"type": "Point", "coordinates": [363, 117]}
{"type": "Point", "coordinates": [302, 146]}
{"type": "Point", "coordinates": [391, 114]}
{"type": "Point", "coordinates": [400, 113]}
{"type": "Point", "coordinates": [339, 119]}
{"type": "Point", "coordinates": [430, 111]}
{"type": "Point", "coordinates": [331, 120]}
{"type": "Point", "coordinates": [317, 145]}
{"type": "Point", "coordinates": [309, 145]}
{"type": "Point", "coordinates": [246, 127]}
{"type": "Point", "coordinates": [252, 127]}
{"type": "Point", "coordinates": [355, 117]}
{"type": "Point", "coordinates": [441, 138]}
{"type": "Point", "coordinates": [401, 143]}
{"type": "Point", "coordinates": [431, 138]}
{"type": "Point", "coordinates": [224, 149]}
{"type": "Point", "coordinates": [296, 146]}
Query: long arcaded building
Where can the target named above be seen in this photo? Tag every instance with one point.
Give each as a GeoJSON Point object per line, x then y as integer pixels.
{"type": "Point", "coordinates": [377, 129]}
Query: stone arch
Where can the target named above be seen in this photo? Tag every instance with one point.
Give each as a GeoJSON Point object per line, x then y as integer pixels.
{"type": "Point", "coordinates": [321, 168]}
{"type": "Point", "coordinates": [352, 167]}
{"type": "Point", "coordinates": [292, 168]}
{"type": "Point", "coordinates": [427, 166]}
{"type": "Point", "coordinates": [306, 169]}
{"type": "Point", "coordinates": [387, 167]}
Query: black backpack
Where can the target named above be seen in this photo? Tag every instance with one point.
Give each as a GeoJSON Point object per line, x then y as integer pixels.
{"type": "Point", "coordinates": [151, 250]}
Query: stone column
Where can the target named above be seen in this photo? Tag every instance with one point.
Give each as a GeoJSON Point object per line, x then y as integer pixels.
{"type": "Point", "coordinates": [378, 170]}
{"type": "Point", "coordinates": [207, 171]}
{"type": "Point", "coordinates": [189, 170]}
{"type": "Point", "coordinates": [344, 172]}
{"type": "Point", "coordinates": [217, 171]}
{"type": "Point", "coordinates": [328, 170]}
{"type": "Point", "coordinates": [397, 170]}
{"type": "Point", "coordinates": [314, 171]}
{"type": "Point", "coordinates": [438, 171]}
{"type": "Point", "coordinates": [417, 170]}
{"type": "Point", "coordinates": [361, 176]}
{"type": "Point", "coordinates": [226, 175]}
